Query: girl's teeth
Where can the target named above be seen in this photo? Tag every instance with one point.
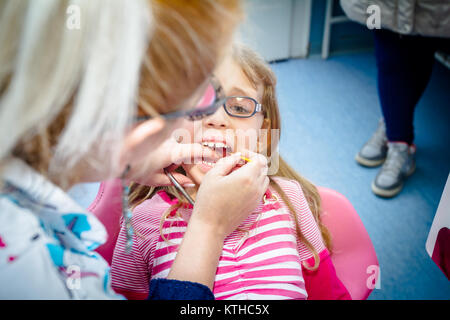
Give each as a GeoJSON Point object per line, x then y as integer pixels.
{"type": "Point", "coordinates": [211, 164]}
{"type": "Point", "coordinates": [218, 145]}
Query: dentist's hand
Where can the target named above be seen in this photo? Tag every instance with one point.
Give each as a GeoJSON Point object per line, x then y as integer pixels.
{"type": "Point", "coordinates": [169, 154]}
{"type": "Point", "coordinates": [151, 146]}
{"type": "Point", "coordinates": [226, 196]}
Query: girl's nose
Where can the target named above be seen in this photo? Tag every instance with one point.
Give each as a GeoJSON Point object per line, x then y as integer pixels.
{"type": "Point", "coordinates": [219, 120]}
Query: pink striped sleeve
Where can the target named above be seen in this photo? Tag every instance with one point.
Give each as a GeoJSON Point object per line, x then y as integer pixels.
{"type": "Point", "coordinates": [131, 272]}
{"type": "Point", "coordinates": [305, 218]}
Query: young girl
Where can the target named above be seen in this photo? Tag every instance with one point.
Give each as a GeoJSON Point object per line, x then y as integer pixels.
{"type": "Point", "coordinates": [281, 251]}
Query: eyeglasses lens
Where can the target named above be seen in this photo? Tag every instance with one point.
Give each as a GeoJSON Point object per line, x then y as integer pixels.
{"type": "Point", "coordinates": [240, 106]}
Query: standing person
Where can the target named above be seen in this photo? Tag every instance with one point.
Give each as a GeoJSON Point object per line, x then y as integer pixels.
{"type": "Point", "coordinates": [98, 101]}
{"type": "Point", "coordinates": [412, 31]}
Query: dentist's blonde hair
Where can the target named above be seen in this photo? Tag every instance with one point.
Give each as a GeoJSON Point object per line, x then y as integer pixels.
{"type": "Point", "coordinates": [84, 78]}
{"type": "Point", "coordinates": [65, 91]}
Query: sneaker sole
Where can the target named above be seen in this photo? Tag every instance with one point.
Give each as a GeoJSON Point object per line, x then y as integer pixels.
{"type": "Point", "coordinates": [369, 163]}
{"type": "Point", "coordinates": [386, 193]}
{"type": "Point", "coordinates": [392, 192]}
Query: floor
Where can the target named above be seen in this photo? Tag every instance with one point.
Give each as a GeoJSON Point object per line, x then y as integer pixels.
{"type": "Point", "coordinates": [329, 108]}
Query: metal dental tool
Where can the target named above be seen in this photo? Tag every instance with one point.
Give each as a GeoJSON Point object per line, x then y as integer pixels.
{"type": "Point", "coordinates": [179, 186]}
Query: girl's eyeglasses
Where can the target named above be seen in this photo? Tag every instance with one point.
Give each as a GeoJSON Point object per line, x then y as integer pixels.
{"type": "Point", "coordinates": [235, 106]}
{"type": "Point", "coordinates": [241, 107]}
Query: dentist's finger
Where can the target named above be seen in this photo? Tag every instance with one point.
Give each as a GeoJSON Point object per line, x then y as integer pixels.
{"type": "Point", "coordinates": [225, 165]}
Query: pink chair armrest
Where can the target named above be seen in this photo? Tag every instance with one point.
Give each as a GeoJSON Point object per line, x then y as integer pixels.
{"type": "Point", "coordinates": [107, 207]}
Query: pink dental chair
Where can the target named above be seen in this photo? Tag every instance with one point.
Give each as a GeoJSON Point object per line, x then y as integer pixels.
{"type": "Point", "coordinates": [353, 255]}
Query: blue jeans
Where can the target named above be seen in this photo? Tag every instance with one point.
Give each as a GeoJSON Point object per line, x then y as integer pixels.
{"type": "Point", "coordinates": [404, 67]}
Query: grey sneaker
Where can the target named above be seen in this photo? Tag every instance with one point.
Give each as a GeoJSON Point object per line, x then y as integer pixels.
{"type": "Point", "coordinates": [373, 153]}
{"type": "Point", "coordinates": [399, 165]}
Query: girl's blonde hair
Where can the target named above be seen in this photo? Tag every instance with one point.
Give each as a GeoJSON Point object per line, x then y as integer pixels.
{"type": "Point", "coordinates": [258, 73]}
{"type": "Point", "coordinates": [66, 90]}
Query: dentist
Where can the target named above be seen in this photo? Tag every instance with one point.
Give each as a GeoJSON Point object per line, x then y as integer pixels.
{"type": "Point", "coordinates": [98, 102]}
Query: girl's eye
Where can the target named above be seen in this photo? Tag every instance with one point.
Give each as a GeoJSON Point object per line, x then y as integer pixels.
{"type": "Point", "coordinates": [239, 109]}
{"type": "Point", "coordinates": [240, 106]}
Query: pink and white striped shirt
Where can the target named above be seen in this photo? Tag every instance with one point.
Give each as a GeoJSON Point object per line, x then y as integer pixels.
{"type": "Point", "coordinates": [260, 260]}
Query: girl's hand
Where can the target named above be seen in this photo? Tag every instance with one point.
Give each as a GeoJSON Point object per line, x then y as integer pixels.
{"type": "Point", "coordinates": [226, 196]}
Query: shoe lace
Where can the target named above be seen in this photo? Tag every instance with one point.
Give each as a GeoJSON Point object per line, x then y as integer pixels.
{"type": "Point", "coordinates": [394, 161]}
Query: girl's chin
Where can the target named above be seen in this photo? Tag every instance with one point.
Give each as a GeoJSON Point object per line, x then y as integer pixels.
{"type": "Point", "coordinates": [196, 172]}
{"type": "Point", "coordinates": [204, 167]}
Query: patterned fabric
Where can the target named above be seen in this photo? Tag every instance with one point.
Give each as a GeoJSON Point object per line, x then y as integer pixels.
{"type": "Point", "coordinates": [260, 260]}
{"type": "Point", "coordinates": [46, 241]}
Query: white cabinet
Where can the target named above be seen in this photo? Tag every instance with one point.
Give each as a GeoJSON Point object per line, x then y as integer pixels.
{"type": "Point", "coordinates": [277, 29]}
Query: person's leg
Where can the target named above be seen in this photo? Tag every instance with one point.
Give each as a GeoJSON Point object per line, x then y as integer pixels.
{"type": "Point", "coordinates": [404, 66]}
{"type": "Point", "coordinates": [404, 69]}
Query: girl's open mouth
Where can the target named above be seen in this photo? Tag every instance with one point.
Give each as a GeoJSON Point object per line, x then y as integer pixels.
{"type": "Point", "coordinates": [221, 149]}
